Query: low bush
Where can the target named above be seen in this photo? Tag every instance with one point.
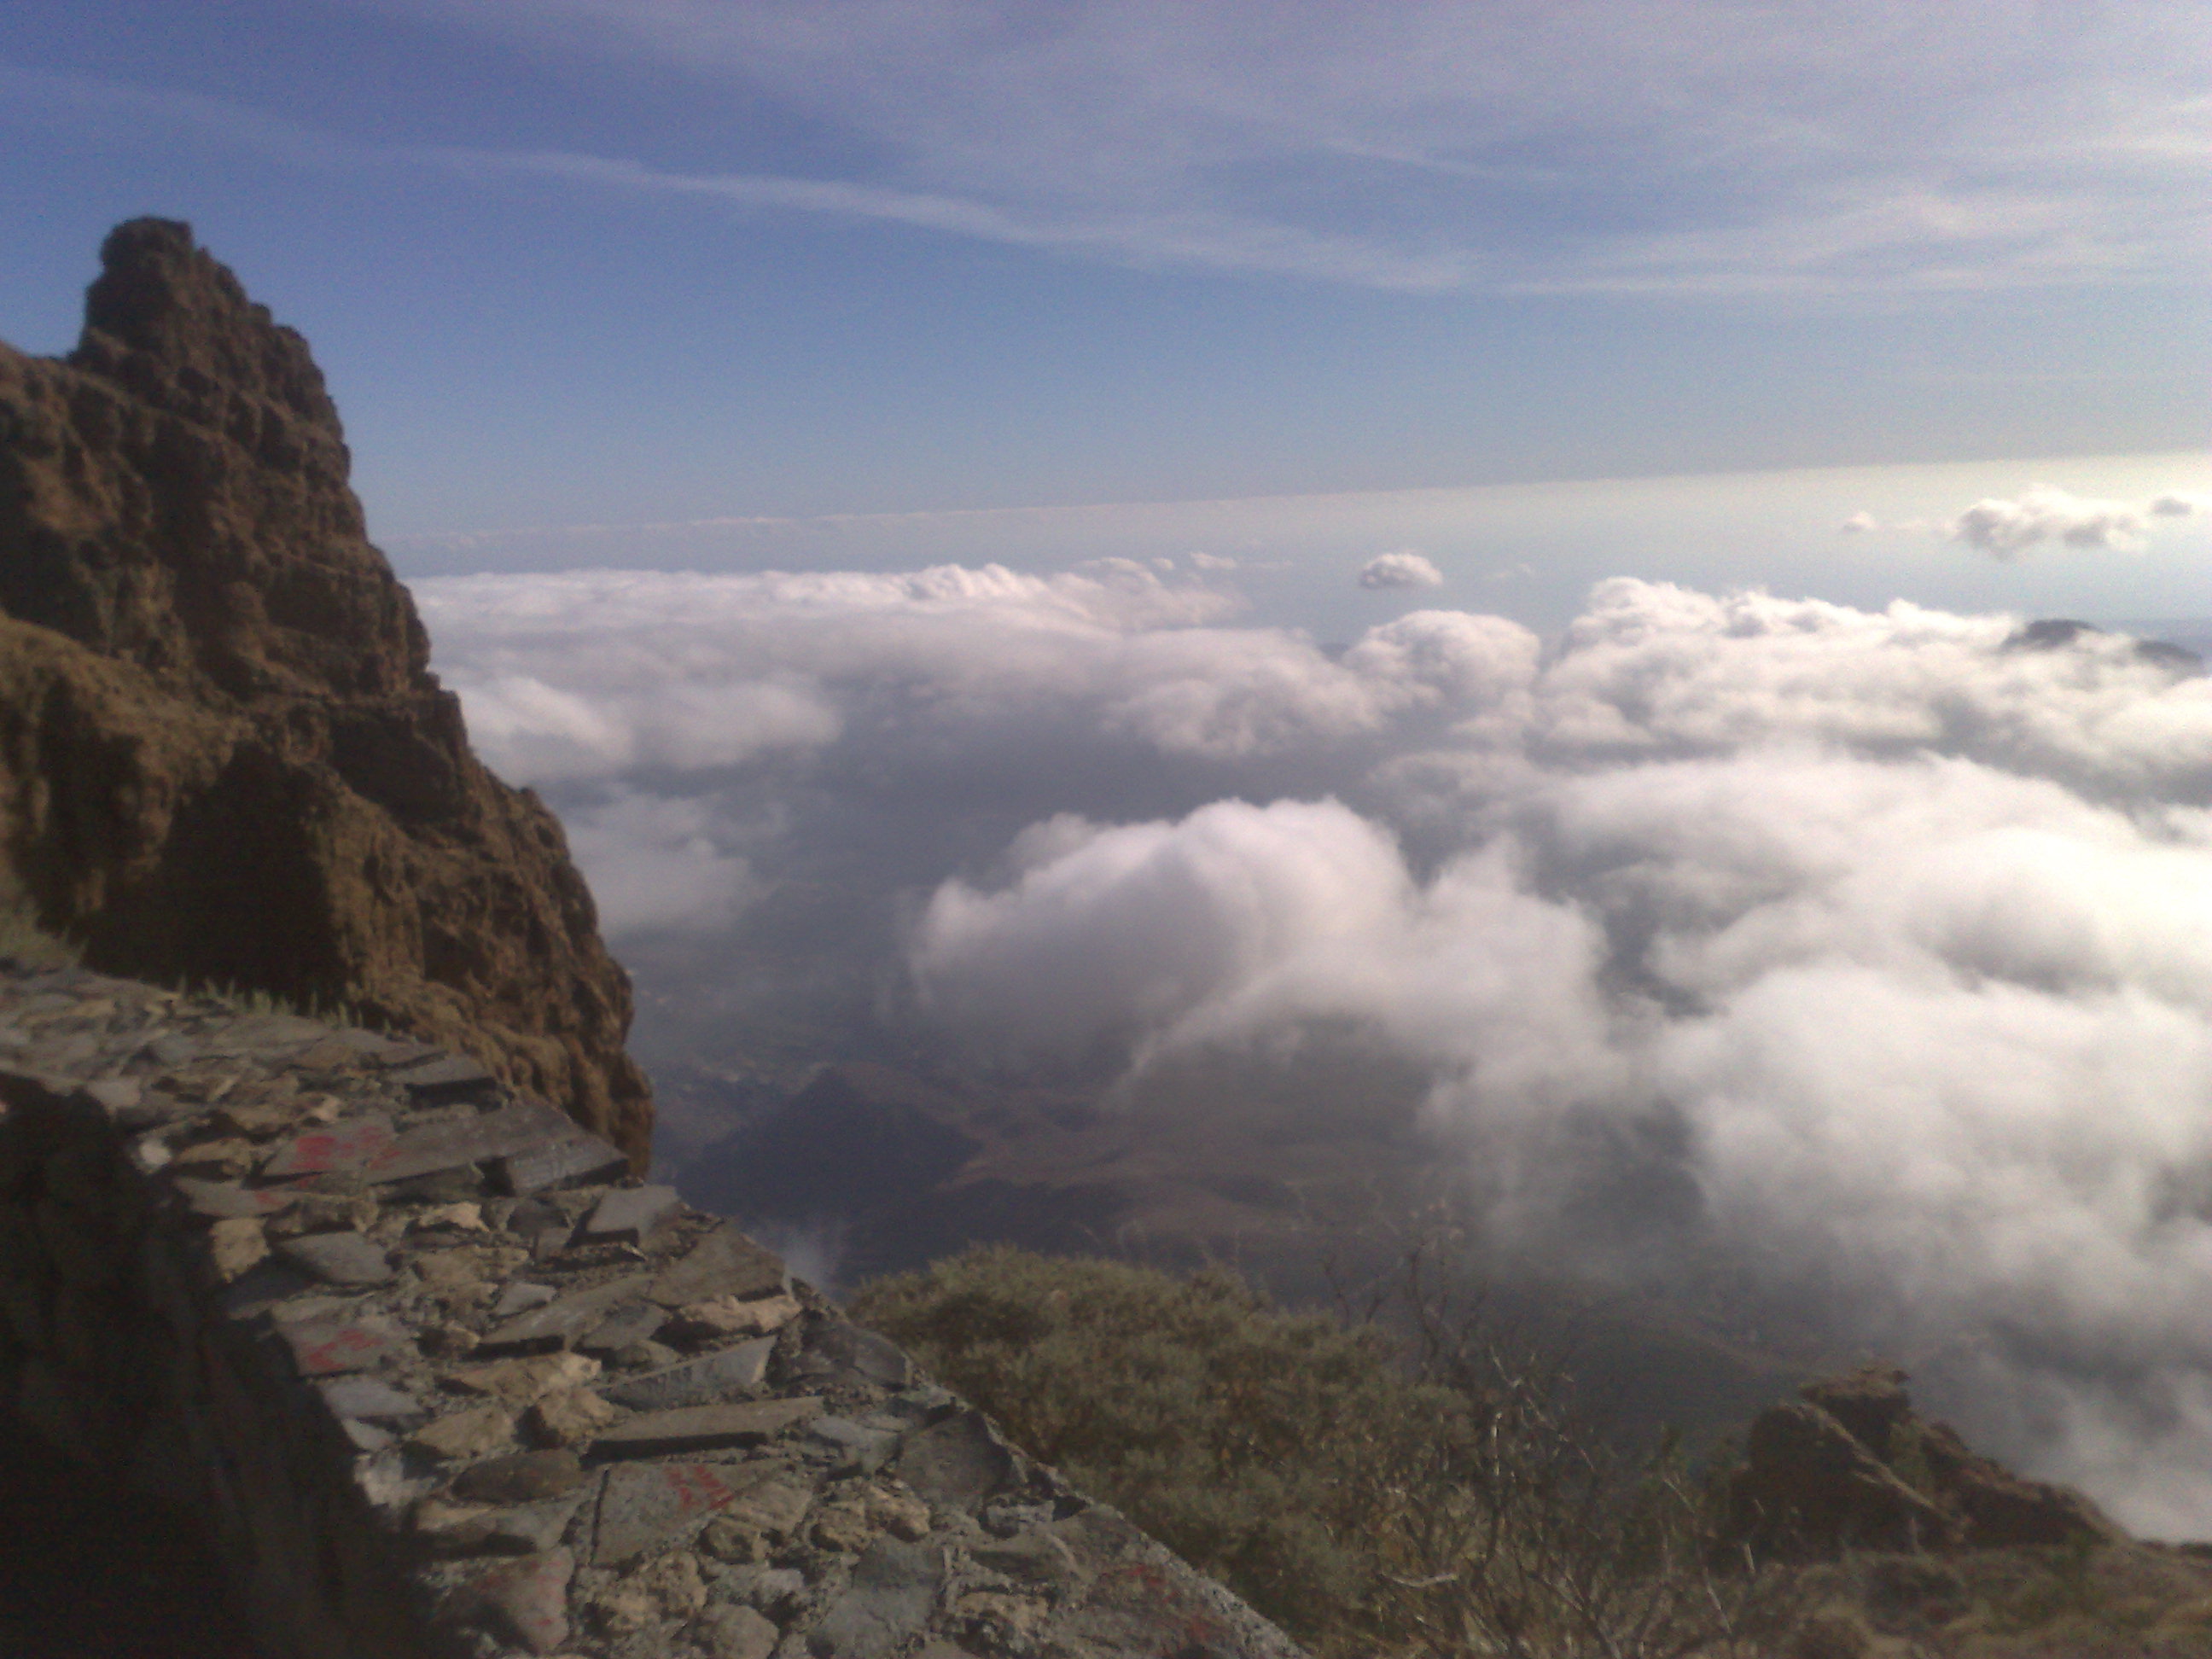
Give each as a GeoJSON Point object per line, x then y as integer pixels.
{"type": "Point", "coordinates": [1408, 1486]}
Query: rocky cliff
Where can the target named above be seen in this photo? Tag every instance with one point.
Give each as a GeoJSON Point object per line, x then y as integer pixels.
{"type": "Point", "coordinates": [222, 755]}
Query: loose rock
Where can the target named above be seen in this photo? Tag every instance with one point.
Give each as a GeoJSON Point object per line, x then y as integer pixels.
{"type": "Point", "coordinates": [669, 1588]}
{"type": "Point", "coordinates": [338, 1258]}
{"type": "Point", "coordinates": [627, 1215]}
{"type": "Point", "coordinates": [567, 1417]}
{"type": "Point", "coordinates": [737, 1370]}
{"type": "Point", "coordinates": [723, 1632]}
{"type": "Point", "coordinates": [704, 1428]}
{"type": "Point", "coordinates": [235, 1245]}
{"type": "Point", "coordinates": [525, 1602]}
{"type": "Point", "coordinates": [526, 1381]}
{"type": "Point", "coordinates": [723, 1263]}
{"type": "Point", "coordinates": [520, 1478]}
{"type": "Point", "coordinates": [470, 1433]}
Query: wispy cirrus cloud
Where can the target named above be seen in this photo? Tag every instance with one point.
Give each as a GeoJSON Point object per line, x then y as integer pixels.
{"type": "Point", "coordinates": [1586, 146]}
{"type": "Point", "coordinates": [1606, 144]}
{"type": "Point", "coordinates": [1188, 236]}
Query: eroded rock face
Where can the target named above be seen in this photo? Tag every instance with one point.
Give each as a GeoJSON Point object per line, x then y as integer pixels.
{"type": "Point", "coordinates": [222, 755]}
{"type": "Point", "coordinates": [1852, 1466]}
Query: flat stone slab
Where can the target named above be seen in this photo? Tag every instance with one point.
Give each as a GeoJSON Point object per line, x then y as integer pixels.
{"type": "Point", "coordinates": [839, 1347]}
{"type": "Point", "coordinates": [338, 1148]}
{"type": "Point", "coordinates": [520, 1478]}
{"type": "Point", "coordinates": [628, 1214]}
{"type": "Point", "coordinates": [559, 1323]}
{"type": "Point", "coordinates": [437, 1146]}
{"type": "Point", "coordinates": [636, 1323]}
{"type": "Point", "coordinates": [696, 1381]}
{"type": "Point", "coordinates": [447, 1077]}
{"type": "Point", "coordinates": [377, 1048]}
{"type": "Point", "coordinates": [226, 1200]}
{"type": "Point", "coordinates": [269, 1031]}
{"type": "Point", "coordinates": [723, 1263]}
{"type": "Point", "coordinates": [578, 1160]}
{"type": "Point", "coordinates": [959, 1463]}
{"type": "Point", "coordinates": [520, 1296]}
{"type": "Point", "coordinates": [324, 1347]}
{"type": "Point", "coordinates": [644, 1504]}
{"type": "Point", "coordinates": [864, 1447]}
{"type": "Point", "coordinates": [519, 1529]}
{"type": "Point", "coordinates": [338, 1258]}
{"type": "Point", "coordinates": [367, 1399]}
{"type": "Point", "coordinates": [704, 1428]}
{"type": "Point", "coordinates": [890, 1597]}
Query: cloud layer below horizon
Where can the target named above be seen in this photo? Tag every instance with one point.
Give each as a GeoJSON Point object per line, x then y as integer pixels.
{"type": "Point", "coordinates": [1874, 943]}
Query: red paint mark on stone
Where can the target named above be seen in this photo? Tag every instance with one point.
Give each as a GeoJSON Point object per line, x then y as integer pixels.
{"type": "Point", "coordinates": [696, 1488]}
{"type": "Point", "coordinates": [318, 1152]}
{"type": "Point", "coordinates": [348, 1348]}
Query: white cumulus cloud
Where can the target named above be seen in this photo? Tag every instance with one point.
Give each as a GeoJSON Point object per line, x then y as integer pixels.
{"type": "Point", "coordinates": [654, 864]}
{"type": "Point", "coordinates": [2004, 529]}
{"type": "Point", "coordinates": [1404, 569]}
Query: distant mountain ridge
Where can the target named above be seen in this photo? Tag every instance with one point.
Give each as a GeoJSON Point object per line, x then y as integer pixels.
{"type": "Point", "coordinates": [222, 755]}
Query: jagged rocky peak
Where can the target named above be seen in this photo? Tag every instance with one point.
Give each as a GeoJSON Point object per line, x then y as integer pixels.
{"type": "Point", "coordinates": [176, 328]}
{"type": "Point", "coordinates": [178, 488]}
{"type": "Point", "coordinates": [223, 754]}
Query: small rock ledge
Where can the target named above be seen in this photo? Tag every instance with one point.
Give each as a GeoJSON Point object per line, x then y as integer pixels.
{"type": "Point", "coordinates": [1850, 1465]}
{"type": "Point", "coordinates": [443, 1381]}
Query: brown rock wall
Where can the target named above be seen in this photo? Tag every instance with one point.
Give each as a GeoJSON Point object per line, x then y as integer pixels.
{"type": "Point", "coordinates": [222, 755]}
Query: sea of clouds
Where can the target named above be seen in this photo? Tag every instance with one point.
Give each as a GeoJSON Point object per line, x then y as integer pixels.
{"type": "Point", "coordinates": [1880, 941]}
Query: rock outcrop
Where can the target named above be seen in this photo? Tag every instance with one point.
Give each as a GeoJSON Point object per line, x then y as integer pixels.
{"type": "Point", "coordinates": [223, 758]}
{"type": "Point", "coordinates": [1850, 1465]}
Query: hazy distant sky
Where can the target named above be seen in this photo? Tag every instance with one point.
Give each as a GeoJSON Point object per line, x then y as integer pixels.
{"type": "Point", "coordinates": [610, 261]}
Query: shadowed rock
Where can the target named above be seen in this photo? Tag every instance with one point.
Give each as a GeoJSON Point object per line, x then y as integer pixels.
{"type": "Point", "coordinates": [1851, 1466]}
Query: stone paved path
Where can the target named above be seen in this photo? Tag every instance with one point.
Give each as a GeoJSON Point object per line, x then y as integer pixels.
{"type": "Point", "coordinates": [442, 1377]}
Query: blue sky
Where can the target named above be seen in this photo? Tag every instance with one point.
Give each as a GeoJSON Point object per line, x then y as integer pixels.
{"type": "Point", "coordinates": [613, 261]}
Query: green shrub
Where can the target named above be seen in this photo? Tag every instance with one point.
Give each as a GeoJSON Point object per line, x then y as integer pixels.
{"type": "Point", "coordinates": [1231, 1432]}
{"type": "Point", "coordinates": [1374, 1496]}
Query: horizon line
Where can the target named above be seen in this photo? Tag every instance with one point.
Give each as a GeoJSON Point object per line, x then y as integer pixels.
{"type": "Point", "coordinates": [462, 538]}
